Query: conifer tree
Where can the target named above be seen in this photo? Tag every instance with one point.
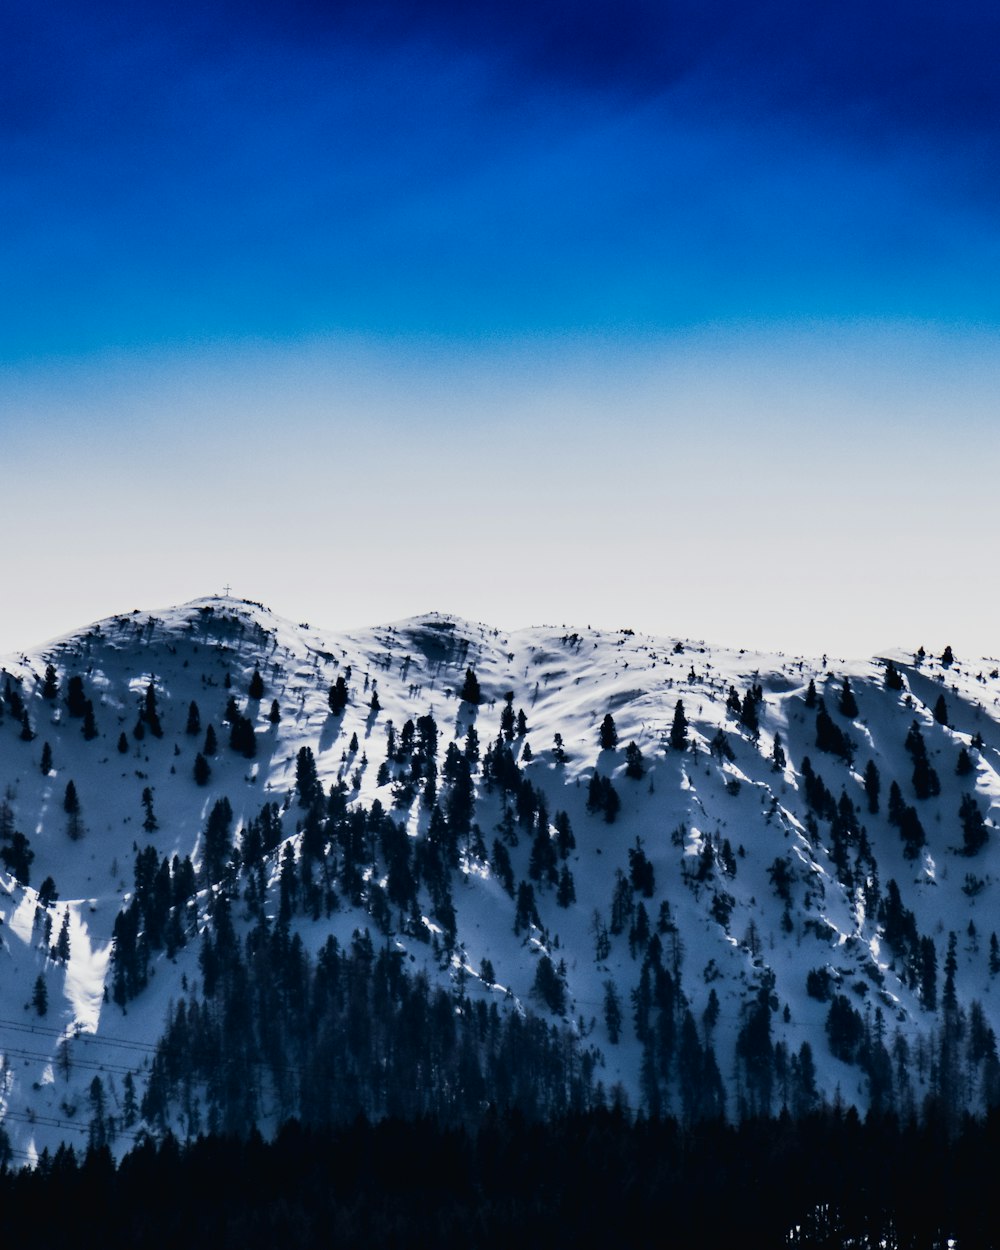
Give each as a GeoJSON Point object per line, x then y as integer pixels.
{"type": "Point", "coordinates": [679, 728]}
{"type": "Point", "coordinates": [872, 786]}
{"type": "Point", "coordinates": [306, 777]}
{"type": "Point", "coordinates": [76, 699]}
{"type": "Point", "coordinates": [566, 890]}
{"type": "Point", "coordinates": [71, 801]}
{"type": "Point", "coordinates": [609, 733]}
{"type": "Point", "coordinates": [62, 949]}
{"type": "Point", "coordinates": [338, 696]}
{"type": "Point", "coordinates": [974, 830]}
{"type": "Point", "coordinates": [612, 1012]}
{"type": "Point", "coordinates": [470, 692]}
{"type": "Point", "coordinates": [202, 770]}
{"type": "Point", "coordinates": [748, 714]}
{"type": "Point", "coordinates": [40, 996]}
{"type": "Point", "coordinates": [46, 759]}
{"type": "Point", "coordinates": [256, 688]}
{"type": "Point", "coordinates": [50, 688]}
{"type": "Point", "coordinates": [193, 726]}
{"type": "Point", "coordinates": [848, 704]}
{"type": "Point", "coordinates": [507, 717]}
{"type": "Point", "coordinates": [150, 823]}
{"type": "Point", "coordinates": [149, 713]}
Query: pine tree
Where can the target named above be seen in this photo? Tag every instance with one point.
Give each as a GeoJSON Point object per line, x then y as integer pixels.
{"type": "Point", "coordinates": [872, 786]}
{"type": "Point", "coordinates": [928, 974]}
{"type": "Point", "coordinates": [50, 687]}
{"type": "Point", "coordinates": [548, 986]}
{"type": "Point", "coordinates": [947, 657]}
{"type": "Point", "coordinates": [896, 803]}
{"type": "Point", "coordinates": [122, 743]}
{"type": "Point", "coordinates": [609, 734]}
{"type": "Point", "coordinates": [256, 688]}
{"type": "Point", "coordinates": [612, 1012]}
{"type": "Point", "coordinates": [974, 830]}
{"type": "Point", "coordinates": [507, 717]}
{"type": "Point", "coordinates": [748, 714]}
{"type": "Point", "coordinates": [202, 769]}
{"type": "Point", "coordinates": [76, 699]}
{"type": "Point", "coordinates": [470, 692]}
{"type": "Point", "coordinates": [242, 736]}
{"type": "Point", "coordinates": [338, 696]}
{"type": "Point", "coordinates": [89, 729]}
{"type": "Point", "coordinates": [848, 704]}
{"type": "Point", "coordinates": [47, 893]}
{"type": "Point", "coordinates": [40, 996]}
{"type": "Point", "coordinates": [46, 759]}
{"type": "Point", "coordinates": [211, 745]}
{"type": "Point", "coordinates": [71, 801]}
{"type": "Point", "coordinates": [893, 677]}
{"type": "Point", "coordinates": [217, 841]}
{"type": "Point", "coordinates": [565, 841]}
{"type": "Point", "coordinates": [912, 832]}
{"type": "Point", "coordinates": [634, 767]}
{"type": "Point", "coordinates": [941, 710]}
{"type": "Point", "coordinates": [149, 713]}
{"type": "Point", "coordinates": [193, 726]}
{"type": "Point", "coordinates": [679, 728]}
{"type": "Point", "coordinates": [18, 856]}
{"type": "Point", "coordinates": [62, 950]}
{"type": "Point", "coordinates": [964, 765]}
{"type": "Point", "coordinates": [811, 695]}
{"type": "Point", "coordinates": [274, 716]}
{"type": "Point", "coordinates": [306, 777]}
{"type": "Point", "coordinates": [150, 823]}
{"type": "Point", "coordinates": [566, 890]}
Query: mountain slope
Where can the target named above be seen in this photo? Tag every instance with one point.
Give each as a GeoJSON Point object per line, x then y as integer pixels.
{"type": "Point", "coordinates": [741, 901]}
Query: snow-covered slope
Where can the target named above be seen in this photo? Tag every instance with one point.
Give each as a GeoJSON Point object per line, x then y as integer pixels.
{"type": "Point", "coordinates": [745, 883]}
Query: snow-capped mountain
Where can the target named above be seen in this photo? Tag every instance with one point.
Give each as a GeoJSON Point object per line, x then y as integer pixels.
{"type": "Point", "coordinates": [595, 864]}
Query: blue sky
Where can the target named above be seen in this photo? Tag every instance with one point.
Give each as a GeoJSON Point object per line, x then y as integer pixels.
{"type": "Point", "coordinates": [674, 315]}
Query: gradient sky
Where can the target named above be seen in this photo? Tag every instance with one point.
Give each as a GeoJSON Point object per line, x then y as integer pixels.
{"type": "Point", "coordinates": [675, 316]}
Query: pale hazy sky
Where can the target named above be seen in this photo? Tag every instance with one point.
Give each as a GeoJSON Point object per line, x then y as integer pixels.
{"type": "Point", "coordinates": [572, 319]}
